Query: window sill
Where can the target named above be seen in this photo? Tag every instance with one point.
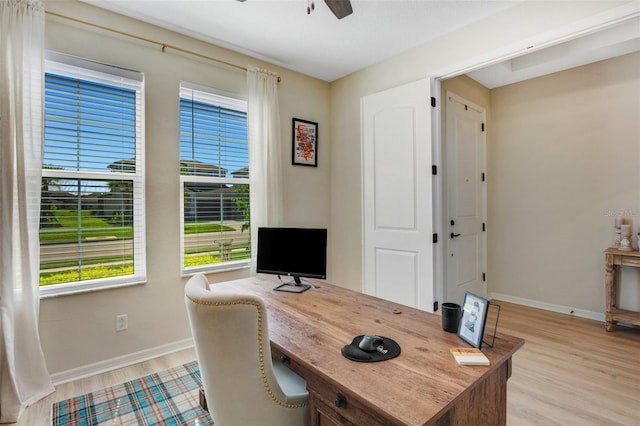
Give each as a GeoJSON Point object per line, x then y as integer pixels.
{"type": "Point", "coordinates": [211, 269]}
{"type": "Point", "coordinates": [51, 291]}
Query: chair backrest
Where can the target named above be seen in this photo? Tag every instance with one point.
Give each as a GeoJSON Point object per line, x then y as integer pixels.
{"type": "Point", "coordinates": [231, 337]}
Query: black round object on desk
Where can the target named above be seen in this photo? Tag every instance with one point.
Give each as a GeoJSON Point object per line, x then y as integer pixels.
{"type": "Point", "coordinates": [354, 353]}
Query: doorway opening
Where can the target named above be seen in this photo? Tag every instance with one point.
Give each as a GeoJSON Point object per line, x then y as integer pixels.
{"type": "Point", "coordinates": [570, 37]}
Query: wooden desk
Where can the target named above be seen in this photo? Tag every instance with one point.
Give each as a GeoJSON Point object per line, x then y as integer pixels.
{"type": "Point", "coordinates": [613, 259]}
{"type": "Point", "coordinates": [422, 386]}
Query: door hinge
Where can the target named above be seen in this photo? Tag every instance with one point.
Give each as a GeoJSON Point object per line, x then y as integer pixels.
{"type": "Point", "coordinates": [433, 101]}
{"type": "Point", "coordinates": [435, 306]}
{"type": "Point", "coordinates": [484, 227]}
{"type": "Point", "coordinates": [435, 238]}
{"type": "Point", "coordinates": [484, 277]}
{"type": "Point", "coordinates": [483, 127]}
{"type": "Point", "coordinates": [483, 176]}
{"type": "Point", "coordinates": [434, 170]}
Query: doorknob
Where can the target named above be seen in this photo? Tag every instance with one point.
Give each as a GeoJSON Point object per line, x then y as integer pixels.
{"type": "Point", "coordinates": [452, 235]}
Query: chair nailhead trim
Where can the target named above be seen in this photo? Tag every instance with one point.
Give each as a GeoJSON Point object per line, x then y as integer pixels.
{"type": "Point", "coordinates": [260, 348]}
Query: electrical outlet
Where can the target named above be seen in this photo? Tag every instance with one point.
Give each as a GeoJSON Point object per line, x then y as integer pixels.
{"type": "Point", "coordinates": [122, 322]}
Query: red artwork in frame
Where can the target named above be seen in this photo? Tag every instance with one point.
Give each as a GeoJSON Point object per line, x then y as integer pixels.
{"type": "Point", "coordinates": [305, 143]}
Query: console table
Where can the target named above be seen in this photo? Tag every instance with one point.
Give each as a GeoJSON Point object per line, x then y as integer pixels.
{"type": "Point", "coordinates": [615, 258]}
{"type": "Point", "coordinates": [422, 386]}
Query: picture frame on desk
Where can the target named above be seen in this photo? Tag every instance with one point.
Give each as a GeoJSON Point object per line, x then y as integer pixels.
{"type": "Point", "coordinates": [474, 319]}
{"type": "Point", "coordinates": [304, 135]}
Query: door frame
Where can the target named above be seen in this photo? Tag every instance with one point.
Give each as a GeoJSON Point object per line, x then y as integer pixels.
{"type": "Point", "coordinates": [573, 31]}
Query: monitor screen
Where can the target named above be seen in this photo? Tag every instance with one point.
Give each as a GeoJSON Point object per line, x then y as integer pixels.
{"type": "Point", "coordinates": [297, 252]}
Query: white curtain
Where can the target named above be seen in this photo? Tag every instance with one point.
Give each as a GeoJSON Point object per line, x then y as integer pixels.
{"type": "Point", "coordinates": [24, 378]}
{"type": "Point", "coordinates": [264, 151]}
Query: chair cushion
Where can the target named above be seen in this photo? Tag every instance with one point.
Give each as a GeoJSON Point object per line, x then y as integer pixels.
{"type": "Point", "coordinates": [291, 384]}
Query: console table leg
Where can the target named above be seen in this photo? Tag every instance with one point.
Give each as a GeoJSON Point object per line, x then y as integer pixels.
{"type": "Point", "coordinates": [610, 284]}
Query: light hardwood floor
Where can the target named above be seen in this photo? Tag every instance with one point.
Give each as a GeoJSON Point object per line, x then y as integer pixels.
{"type": "Point", "coordinates": [569, 372]}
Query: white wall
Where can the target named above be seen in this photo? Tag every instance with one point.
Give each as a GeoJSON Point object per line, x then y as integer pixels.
{"type": "Point", "coordinates": [80, 329]}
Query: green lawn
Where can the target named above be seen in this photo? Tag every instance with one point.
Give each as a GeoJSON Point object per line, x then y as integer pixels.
{"type": "Point", "coordinates": [198, 227]}
{"type": "Point", "coordinates": [90, 227]}
{"type": "Point", "coordinates": [95, 227]}
{"type": "Point", "coordinates": [72, 227]}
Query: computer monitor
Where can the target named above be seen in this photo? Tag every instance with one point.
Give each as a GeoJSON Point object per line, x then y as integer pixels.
{"type": "Point", "coordinates": [295, 252]}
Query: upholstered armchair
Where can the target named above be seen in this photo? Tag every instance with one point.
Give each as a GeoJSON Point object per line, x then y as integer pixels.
{"type": "Point", "coordinates": [242, 385]}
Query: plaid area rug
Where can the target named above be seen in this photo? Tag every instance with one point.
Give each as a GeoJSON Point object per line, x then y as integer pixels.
{"type": "Point", "coordinates": [169, 397]}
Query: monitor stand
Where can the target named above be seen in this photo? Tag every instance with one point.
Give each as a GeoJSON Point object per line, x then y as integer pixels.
{"type": "Point", "coordinates": [295, 286]}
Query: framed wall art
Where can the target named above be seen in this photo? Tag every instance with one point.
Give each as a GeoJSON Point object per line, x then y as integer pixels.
{"type": "Point", "coordinates": [305, 143]}
{"type": "Point", "coordinates": [474, 318]}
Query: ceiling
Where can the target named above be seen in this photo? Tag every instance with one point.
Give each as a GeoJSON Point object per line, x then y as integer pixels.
{"type": "Point", "coordinates": [607, 43]}
{"type": "Point", "coordinates": [319, 45]}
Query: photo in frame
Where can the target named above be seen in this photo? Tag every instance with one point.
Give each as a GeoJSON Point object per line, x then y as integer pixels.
{"type": "Point", "coordinates": [305, 143]}
{"type": "Point", "coordinates": [474, 319]}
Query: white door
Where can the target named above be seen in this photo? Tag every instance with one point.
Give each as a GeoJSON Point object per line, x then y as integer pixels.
{"type": "Point", "coordinates": [465, 212]}
{"type": "Point", "coordinates": [397, 200]}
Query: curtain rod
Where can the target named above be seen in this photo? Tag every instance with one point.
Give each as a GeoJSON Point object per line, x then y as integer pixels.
{"type": "Point", "coordinates": [148, 40]}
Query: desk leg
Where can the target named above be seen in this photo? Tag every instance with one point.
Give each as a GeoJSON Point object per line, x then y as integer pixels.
{"type": "Point", "coordinates": [610, 284]}
{"type": "Point", "coordinates": [485, 404]}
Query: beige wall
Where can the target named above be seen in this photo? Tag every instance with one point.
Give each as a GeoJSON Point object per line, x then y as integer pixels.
{"type": "Point", "coordinates": [507, 32]}
{"type": "Point", "coordinates": [565, 161]}
{"type": "Point", "coordinates": [469, 89]}
{"type": "Point", "coordinates": [79, 330]}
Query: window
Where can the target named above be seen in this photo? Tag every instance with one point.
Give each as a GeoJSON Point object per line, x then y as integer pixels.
{"type": "Point", "coordinates": [214, 180]}
{"type": "Point", "coordinates": [92, 208]}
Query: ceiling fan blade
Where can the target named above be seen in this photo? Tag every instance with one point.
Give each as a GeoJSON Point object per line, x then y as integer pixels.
{"type": "Point", "coordinates": [340, 8]}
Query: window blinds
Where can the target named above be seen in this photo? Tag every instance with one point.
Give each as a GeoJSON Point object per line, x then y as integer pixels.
{"type": "Point", "coordinates": [92, 209]}
{"type": "Point", "coordinates": [214, 168]}
{"type": "Point", "coordinates": [213, 135]}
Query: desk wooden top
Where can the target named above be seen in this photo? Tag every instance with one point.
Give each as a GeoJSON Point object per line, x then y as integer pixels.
{"type": "Point", "coordinates": [418, 385]}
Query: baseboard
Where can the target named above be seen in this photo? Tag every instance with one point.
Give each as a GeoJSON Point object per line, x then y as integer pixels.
{"type": "Point", "coordinates": [597, 316]}
{"type": "Point", "coordinates": [119, 362]}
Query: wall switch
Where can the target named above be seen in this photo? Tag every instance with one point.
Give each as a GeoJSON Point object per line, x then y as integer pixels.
{"type": "Point", "coordinates": [122, 322]}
